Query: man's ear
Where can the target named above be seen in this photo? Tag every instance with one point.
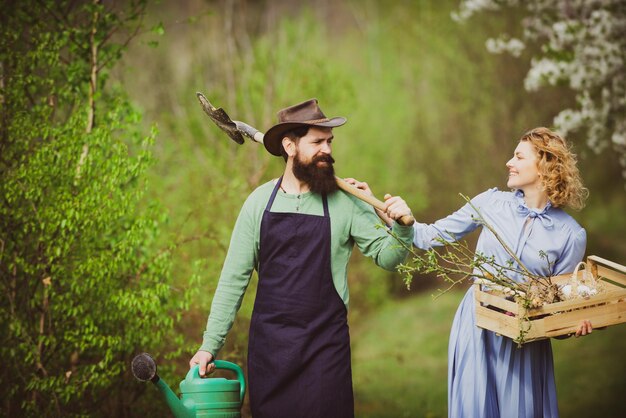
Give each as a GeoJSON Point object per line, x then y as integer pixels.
{"type": "Point", "coordinates": [290, 146]}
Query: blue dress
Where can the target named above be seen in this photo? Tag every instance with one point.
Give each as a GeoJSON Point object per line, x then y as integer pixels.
{"type": "Point", "coordinates": [488, 375]}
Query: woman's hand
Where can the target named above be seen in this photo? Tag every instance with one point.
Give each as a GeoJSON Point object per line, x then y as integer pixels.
{"type": "Point", "coordinates": [396, 207]}
{"type": "Point", "coordinates": [584, 328]}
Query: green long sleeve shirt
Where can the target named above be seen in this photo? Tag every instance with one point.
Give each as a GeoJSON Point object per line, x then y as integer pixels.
{"type": "Point", "coordinates": [352, 222]}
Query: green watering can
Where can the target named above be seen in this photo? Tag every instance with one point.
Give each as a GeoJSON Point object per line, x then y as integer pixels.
{"type": "Point", "coordinates": [200, 397]}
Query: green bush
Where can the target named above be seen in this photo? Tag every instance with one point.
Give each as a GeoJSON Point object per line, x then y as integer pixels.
{"type": "Point", "coordinates": [84, 285]}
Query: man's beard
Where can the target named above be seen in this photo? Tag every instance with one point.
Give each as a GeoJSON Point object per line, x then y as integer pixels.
{"type": "Point", "coordinates": [319, 179]}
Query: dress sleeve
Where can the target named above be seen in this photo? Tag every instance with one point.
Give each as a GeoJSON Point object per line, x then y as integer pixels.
{"type": "Point", "coordinates": [573, 253]}
{"type": "Point", "coordinates": [452, 227]}
{"type": "Point", "coordinates": [234, 279]}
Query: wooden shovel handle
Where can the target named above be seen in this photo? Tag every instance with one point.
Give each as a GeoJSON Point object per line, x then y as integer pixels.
{"type": "Point", "coordinates": [406, 220]}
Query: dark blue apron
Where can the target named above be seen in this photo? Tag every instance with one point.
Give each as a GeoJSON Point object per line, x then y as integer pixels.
{"type": "Point", "coordinates": [299, 345]}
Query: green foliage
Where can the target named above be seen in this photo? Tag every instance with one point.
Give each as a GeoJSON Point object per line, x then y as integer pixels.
{"type": "Point", "coordinates": [84, 285]}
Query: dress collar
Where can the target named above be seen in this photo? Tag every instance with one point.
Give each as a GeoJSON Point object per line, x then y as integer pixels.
{"type": "Point", "coordinates": [525, 211]}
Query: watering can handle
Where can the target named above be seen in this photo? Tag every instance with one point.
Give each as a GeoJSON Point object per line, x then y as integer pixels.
{"type": "Point", "coordinates": [227, 365]}
{"type": "Point", "coordinates": [224, 365]}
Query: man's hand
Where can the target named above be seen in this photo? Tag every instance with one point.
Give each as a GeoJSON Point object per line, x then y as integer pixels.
{"type": "Point", "coordinates": [366, 188]}
{"type": "Point", "coordinates": [359, 185]}
{"type": "Point", "coordinates": [584, 328]}
{"type": "Point", "coordinates": [203, 359]}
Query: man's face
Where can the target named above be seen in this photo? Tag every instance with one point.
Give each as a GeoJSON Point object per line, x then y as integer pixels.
{"type": "Point", "coordinates": [313, 163]}
{"type": "Point", "coordinates": [317, 142]}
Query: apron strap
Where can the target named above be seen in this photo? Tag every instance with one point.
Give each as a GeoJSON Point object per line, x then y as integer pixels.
{"type": "Point", "coordinates": [275, 191]}
{"type": "Point", "coordinates": [273, 196]}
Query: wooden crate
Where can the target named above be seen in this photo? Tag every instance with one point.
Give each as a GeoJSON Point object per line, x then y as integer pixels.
{"type": "Point", "coordinates": [495, 313]}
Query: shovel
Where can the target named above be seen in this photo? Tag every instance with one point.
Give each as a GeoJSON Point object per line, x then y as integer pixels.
{"type": "Point", "coordinates": [226, 124]}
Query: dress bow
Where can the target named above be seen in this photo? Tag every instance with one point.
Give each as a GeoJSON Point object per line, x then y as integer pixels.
{"type": "Point", "coordinates": [543, 216]}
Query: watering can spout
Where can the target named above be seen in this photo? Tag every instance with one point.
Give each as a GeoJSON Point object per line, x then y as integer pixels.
{"type": "Point", "coordinates": [144, 369]}
{"type": "Point", "coordinates": [179, 409]}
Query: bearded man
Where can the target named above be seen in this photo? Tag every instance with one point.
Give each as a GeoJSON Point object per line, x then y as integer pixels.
{"type": "Point", "coordinates": [298, 232]}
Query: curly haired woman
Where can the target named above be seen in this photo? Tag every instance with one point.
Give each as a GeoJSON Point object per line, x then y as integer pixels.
{"type": "Point", "coordinates": [488, 375]}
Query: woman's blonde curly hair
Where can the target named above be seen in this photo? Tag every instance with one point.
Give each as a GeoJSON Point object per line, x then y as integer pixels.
{"type": "Point", "coordinates": [557, 166]}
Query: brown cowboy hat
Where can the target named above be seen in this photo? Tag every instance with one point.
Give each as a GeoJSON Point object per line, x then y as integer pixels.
{"type": "Point", "coordinates": [303, 114]}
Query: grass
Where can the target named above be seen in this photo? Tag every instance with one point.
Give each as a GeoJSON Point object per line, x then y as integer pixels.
{"type": "Point", "coordinates": [399, 359]}
{"type": "Point", "coordinates": [591, 374]}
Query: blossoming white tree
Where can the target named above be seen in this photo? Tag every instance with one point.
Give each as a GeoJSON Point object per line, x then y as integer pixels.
{"type": "Point", "coordinates": [583, 45]}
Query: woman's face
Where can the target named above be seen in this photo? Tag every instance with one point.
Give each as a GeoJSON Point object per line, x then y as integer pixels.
{"type": "Point", "coordinates": [523, 172]}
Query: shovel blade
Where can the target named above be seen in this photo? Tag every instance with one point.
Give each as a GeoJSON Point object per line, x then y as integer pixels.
{"type": "Point", "coordinates": [220, 118]}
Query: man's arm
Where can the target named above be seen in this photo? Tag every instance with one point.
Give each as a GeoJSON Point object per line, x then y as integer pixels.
{"type": "Point", "coordinates": [376, 242]}
{"type": "Point", "coordinates": [234, 279]}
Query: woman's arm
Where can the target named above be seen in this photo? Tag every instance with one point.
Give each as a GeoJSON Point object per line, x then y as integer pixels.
{"type": "Point", "coordinates": [453, 227]}
{"type": "Point", "coordinates": [450, 228]}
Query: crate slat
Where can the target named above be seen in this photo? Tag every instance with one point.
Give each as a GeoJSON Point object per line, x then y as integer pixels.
{"type": "Point", "coordinates": [612, 275]}
{"type": "Point", "coordinates": [506, 325]}
{"type": "Point", "coordinates": [599, 260]}
{"type": "Point", "coordinates": [607, 296]}
{"type": "Point", "coordinates": [497, 301]}
{"type": "Point", "coordinates": [603, 316]}
{"type": "Point", "coordinates": [496, 321]}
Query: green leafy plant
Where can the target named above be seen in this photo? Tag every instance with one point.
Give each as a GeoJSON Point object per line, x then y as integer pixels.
{"type": "Point", "coordinates": [457, 263]}
{"type": "Point", "coordinates": [84, 286]}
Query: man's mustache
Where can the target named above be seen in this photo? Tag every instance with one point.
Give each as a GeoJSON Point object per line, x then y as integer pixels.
{"type": "Point", "coordinates": [326, 158]}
